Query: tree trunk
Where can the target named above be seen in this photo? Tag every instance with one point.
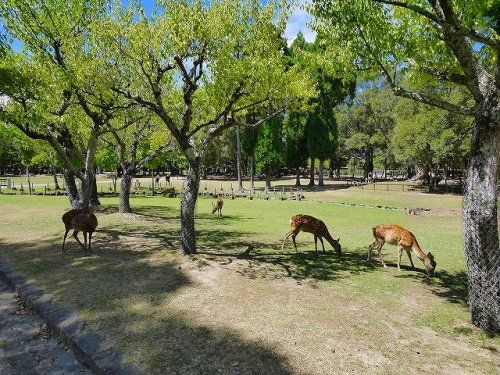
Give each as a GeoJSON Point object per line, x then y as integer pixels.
{"type": "Point", "coordinates": [252, 181]}
{"type": "Point", "coordinates": [480, 222]}
{"type": "Point", "coordinates": [268, 180]}
{"type": "Point", "coordinates": [368, 166]}
{"type": "Point", "coordinates": [204, 176]}
{"type": "Point", "coordinates": [94, 197]}
{"type": "Point", "coordinates": [320, 174]}
{"type": "Point", "coordinates": [188, 205]}
{"type": "Point", "coordinates": [239, 163]}
{"type": "Point", "coordinates": [311, 177]}
{"type": "Point", "coordinates": [71, 189]}
{"type": "Point", "coordinates": [125, 184]}
{"type": "Point", "coordinates": [56, 183]}
{"type": "Point", "coordinates": [297, 177]}
{"type": "Point", "coordinates": [29, 179]}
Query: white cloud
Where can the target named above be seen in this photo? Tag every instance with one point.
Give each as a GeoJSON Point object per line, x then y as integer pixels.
{"type": "Point", "coordinates": [298, 22]}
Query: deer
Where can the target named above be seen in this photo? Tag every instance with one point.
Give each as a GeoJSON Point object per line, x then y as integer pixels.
{"type": "Point", "coordinates": [309, 224]}
{"type": "Point", "coordinates": [217, 207]}
{"type": "Point", "coordinates": [405, 240]}
{"type": "Point", "coordinates": [79, 221]}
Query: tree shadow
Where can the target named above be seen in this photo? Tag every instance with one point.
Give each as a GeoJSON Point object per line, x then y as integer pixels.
{"type": "Point", "coordinates": [115, 285]}
{"type": "Point", "coordinates": [451, 286]}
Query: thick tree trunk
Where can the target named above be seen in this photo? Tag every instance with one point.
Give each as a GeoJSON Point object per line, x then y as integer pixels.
{"type": "Point", "coordinates": [188, 205]}
{"type": "Point", "coordinates": [268, 180]}
{"type": "Point", "coordinates": [94, 197]}
{"type": "Point", "coordinates": [124, 202]}
{"type": "Point", "coordinates": [71, 189]}
{"type": "Point", "coordinates": [297, 177]}
{"type": "Point", "coordinates": [56, 183]}
{"type": "Point", "coordinates": [239, 163]}
{"type": "Point", "coordinates": [480, 222]}
{"type": "Point", "coordinates": [331, 169]}
{"type": "Point", "coordinates": [320, 173]}
{"type": "Point", "coordinates": [368, 166]}
{"type": "Point", "coordinates": [311, 177]}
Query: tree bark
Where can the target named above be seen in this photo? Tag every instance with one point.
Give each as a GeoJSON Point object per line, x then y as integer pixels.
{"type": "Point", "coordinates": [268, 180]}
{"type": "Point", "coordinates": [368, 166]}
{"type": "Point", "coordinates": [480, 221]}
{"type": "Point", "coordinates": [297, 177]}
{"type": "Point", "coordinates": [71, 189]}
{"type": "Point", "coordinates": [54, 174]}
{"type": "Point", "coordinates": [320, 173]}
{"type": "Point", "coordinates": [125, 184]}
{"type": "Point", "coordinates": [311, 177]}
{"type": "Point", "coordinates": [238, 158]}
{"type": "Point", "coordinates": [188, 205]}
{"type": "Point", "coordinates": [94, 197]}
{"type": "Point", "coordinates": [29, 179]}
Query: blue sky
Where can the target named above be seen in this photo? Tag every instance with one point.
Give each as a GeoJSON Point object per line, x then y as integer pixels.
{"type": "Point", "coordinates": [297, 22]}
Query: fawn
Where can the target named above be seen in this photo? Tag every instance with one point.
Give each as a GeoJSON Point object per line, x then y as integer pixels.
{"type": "Point", "coordinates": [79, 221]}
{"type": "Point", "coordinates": [396, 235]}
{"type": "Point", "coordinates": [312, 225]}
{"type": "Point", "coordinates": [218, 207]}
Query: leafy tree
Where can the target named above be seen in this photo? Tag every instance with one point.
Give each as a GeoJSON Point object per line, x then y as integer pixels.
{"type": "Point", "coordinates": [269, 148]}
{"type": "Point", "coordinates": [295, 142]}
{"type": "Point", "coordinates": [204, 64]}
{"type": "Point", "coordinates": [418, 46]}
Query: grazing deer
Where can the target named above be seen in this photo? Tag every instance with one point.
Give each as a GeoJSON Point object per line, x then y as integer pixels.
{"type": "Point", "coordinates": [405, 240]}
{"type": "Point", "coordinates": [86, 223]}
{"type": "Point", "coordinates": [217, 207]}
{"type": "Point", "coordinates": [67, 218]}
{"type": "Point", "coordinates": [312, 225]}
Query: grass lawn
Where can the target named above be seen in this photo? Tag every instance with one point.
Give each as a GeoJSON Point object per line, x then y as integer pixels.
{"type": "Point", "coordinates": [272, 312]}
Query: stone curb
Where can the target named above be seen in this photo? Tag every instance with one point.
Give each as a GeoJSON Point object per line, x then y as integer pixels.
{"type": "Point", "coordinates": [88, 347]}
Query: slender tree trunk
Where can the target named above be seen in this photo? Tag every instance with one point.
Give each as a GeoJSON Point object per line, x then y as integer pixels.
{"type": "Point", "coordinates": [29, 179]}
{"type": "Point", "coordinates": [239, 163]}
{"type": "Point", "coordinates": [204, 176]}
{"type": "Point", "coordinates": [297, 177]}
{"type": "Point", "coordinates": [331, 169]}
{"type": "Point", "coordinates": [71, 189]}
{"type": "Point", "coordinates": [252, 181]}
{"type": "Point", "coordinates": [311, 177]}
{"type": "Point", "coordinates": [368, 166]}
{"type": "Point", "coordinates": [54, 175]}
{"type": "Point", "coordinates": [480, 220]}
{"type": "Point", "coordinates": [125, 184]}
{"type": "Point", "coordinates": [320, 173]}
{"type": "Point", "coordinates": [268, 180]}
{"type": "Point", "coordinates": [188, 205]}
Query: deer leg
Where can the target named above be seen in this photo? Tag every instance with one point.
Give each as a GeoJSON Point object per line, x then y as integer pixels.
{"type": "Point", "coordinates": [90, 241]}
{"type": "Point", "coordinates": [85, 239]}
{"type": "Point", "coordinates": [64, 239]}
{"type": "Point", "coordinates": [400, 255]}
{"type": "Point", "coordinates": [408, 251]}
{"type": "Point", "coordinates": [75, 235]}
{"type": "Point", "coordinates": [380, 244]}
{"type": "Point", "coordinates": [286, 238]}
{"type": "Point", "coordinates": [370, 249]}
{"type": "Point", "coordinates": [295, 233]}
{"type": "Point", "coordinates": [322, 244]}
{"type": "Point", "coordinates": [316, 243]}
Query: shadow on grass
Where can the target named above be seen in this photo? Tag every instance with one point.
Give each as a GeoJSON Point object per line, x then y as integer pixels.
{"type": "Point", "coordinates": [123, 291]}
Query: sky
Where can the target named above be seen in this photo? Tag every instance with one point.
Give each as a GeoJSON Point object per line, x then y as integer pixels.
{"type": "Point", "coordinates": [297, 22]}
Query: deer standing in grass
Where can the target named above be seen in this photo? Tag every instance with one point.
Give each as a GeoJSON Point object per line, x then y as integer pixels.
{"type": "Point", "coordinates": [309, 224]}
{"type": "Point", "coordinates": [218, 207]}
{"type": "Point", "coordinates": [79, 221]}
{"type": "Point", "coordinates": [405, 240]}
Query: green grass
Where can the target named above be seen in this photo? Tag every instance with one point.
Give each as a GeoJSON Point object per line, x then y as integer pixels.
{"type": "Point", "coordinates": [271, 312]}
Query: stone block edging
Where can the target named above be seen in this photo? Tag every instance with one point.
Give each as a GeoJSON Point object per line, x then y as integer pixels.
{"type": "Point", "coordinates": [87, 346]}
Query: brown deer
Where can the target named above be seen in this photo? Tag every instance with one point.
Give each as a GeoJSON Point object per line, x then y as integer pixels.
{"type": "Point", "coordinates": [312, 225]}
{"type": "Point", "coordinates": [86, 223]}
{"type": "Point", "coordinates": [405, 240]}
{"type": "Point", "coordinates": [67, 218]}
{"type": "Point", "coordinates": [217, 207]}
{"type": "Point", "coordinates": [79, 221]}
